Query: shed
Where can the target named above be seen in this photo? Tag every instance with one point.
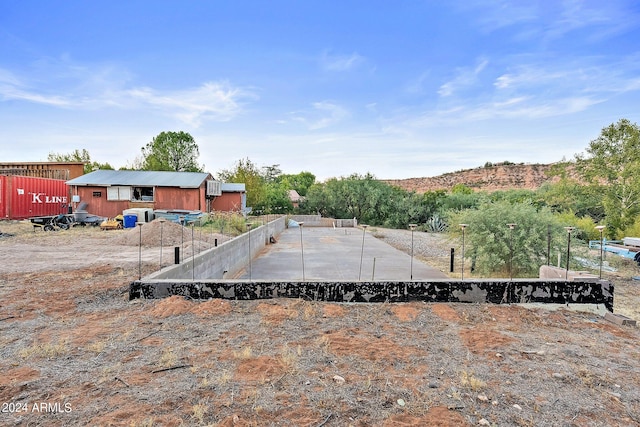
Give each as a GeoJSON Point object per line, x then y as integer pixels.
{"type": "Point", "coordinates": [232, 199]}
{"type": "Point", "coordinates": [109, 192]}
{"type": "Point", "coordinates": [295, 198]}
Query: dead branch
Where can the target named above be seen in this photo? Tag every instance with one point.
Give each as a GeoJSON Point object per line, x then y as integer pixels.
{"type": "Point", "coordinates": [170, 369]}
{"type": "Point", "coordinates": [147, 336]}
{"type": "Point", "coordinates": [325, 420]}
{"type": "Point", "coordinates": [122, 381]}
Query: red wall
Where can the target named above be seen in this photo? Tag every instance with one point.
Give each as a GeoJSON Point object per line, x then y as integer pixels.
{"type": "Point", "coordinates": [227, 202]}
{"type": "Point", "coordinates": [24, 197]}
{"type": "Point", "coordinates": [164, 198]}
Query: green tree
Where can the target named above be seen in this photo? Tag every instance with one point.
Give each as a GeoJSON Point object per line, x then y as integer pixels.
{"type": "Point", "coordinates": [171, 151]}
{"type": "Point", "coordinates": [276, 199]}
{"type": "Point", "coordinates": [370, 201]}
{"type": "Point", "coordinates": [299, 182]}
{"type": "Point", "coordinates": [79, 156]}
{"type": "Point", "coordinates": [568, 195]}
{"type": "Point", "coordinates": [612, 167]}
{"type": "Point", "coordinates": [461, 189]}
{"type": "Point", "coordinates": [271, 173]}
{"type": "Point", "coordinates": [245, 171]}
{"type": "Point", "coordinates": [462, 200]}
{"type": "Point", "coordinates": [489, 240]}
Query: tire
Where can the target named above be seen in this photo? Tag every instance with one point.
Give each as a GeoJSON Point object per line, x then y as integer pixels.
{"type": "Point", "coordinates": [64, 226]}
{"type": "Point", "coordinates": [48, 227]}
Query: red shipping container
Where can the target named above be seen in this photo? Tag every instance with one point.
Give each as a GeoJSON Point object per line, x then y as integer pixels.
{"type": "Point", "coordinates": [25, 196]}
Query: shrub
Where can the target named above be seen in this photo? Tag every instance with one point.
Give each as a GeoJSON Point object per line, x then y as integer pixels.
{"type": "Point", "coordinates": [489, 240]}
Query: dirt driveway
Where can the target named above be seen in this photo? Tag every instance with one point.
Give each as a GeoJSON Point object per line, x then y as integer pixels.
{"type": "Point", "coordinates": [75, 351]}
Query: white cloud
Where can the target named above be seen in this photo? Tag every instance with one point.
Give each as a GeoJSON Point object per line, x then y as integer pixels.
{"type": "Point", "coordinates": [331, 62]}
{"type": "Point", "coordinates": [492, 15]}
{"type": "Point", "coordinates": [416, 86]}
{"type": "Point", "coordinates": [465, 77]}
{"type": "Point", "coordinates": [213, 101]}
{"type": "Point", "coordinates": [13, 93]}
{"type": "Point", "coordinates": [546, 21]}
{"type": "Point", "coordinates": [13, 89]}
{"type": "Point", "coordinates": [9, 78]}
{"type": "Point", "coordinates": [324, 114]}
{"type": "Point", "coordinates": [84, 88]}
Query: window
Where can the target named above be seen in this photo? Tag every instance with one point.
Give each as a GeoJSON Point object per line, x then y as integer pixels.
{"type": "Point", "coordinates": [134, 194]}
{"type": "Point", "coordinates": [142, 194]}
{"type": "Point", "coordinates": [118, 193]}
{"type": "Point", "coordinates": [97, 194]}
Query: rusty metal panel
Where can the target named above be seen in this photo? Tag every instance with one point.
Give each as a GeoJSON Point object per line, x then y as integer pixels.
{"type": "Point", "coordinates": [228, 202]}
{"type": "Point", "coordinates": [27, 197]}
{"type": "Point", "coordinates": [177, 198]}
{"type": "Point", "coordinates": [53, 170]}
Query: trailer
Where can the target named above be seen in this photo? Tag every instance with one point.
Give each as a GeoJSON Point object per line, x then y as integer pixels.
{"type": "Point", "coordinates": [619, 247]}
{"type": "Point", "coordinates": [52, 222]}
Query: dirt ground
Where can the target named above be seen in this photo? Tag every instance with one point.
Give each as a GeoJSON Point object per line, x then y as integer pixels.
{"type": "Point", "coordinates": [75, 351]}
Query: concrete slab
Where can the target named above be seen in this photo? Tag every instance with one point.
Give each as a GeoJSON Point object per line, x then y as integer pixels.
{"type": "Point", "coordinates": [619, 319]}
{"type": "Point", "coordinates": [334, 254]}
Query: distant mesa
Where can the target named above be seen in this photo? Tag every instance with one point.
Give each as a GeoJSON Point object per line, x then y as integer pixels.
{"type": "Point", "coordinates": [491, 177]}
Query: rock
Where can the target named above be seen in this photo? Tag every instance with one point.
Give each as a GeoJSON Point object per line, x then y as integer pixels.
{"type": "Point", "coordinates": [518, 407]}
{"type": "Point", "coordinates": [338, 379]}
{"type": "Point", "coordinates": [401, 402]}
{"type": "Point", "coordinates": [433, 384]}
{"type": "Point", "coordinates": [557, 375]}
{"type": "Point", "coordinates": [482, 398]}
{"type": "Point", "coordinates": [483, 422]}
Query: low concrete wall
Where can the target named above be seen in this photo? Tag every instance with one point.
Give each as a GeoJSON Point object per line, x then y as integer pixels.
{"type": "Point", "coordinates": [318, 221]}
{"type": "Point", "coordinates": [551, 272]}
{"type": "Point", "coordinates": [489, 291]}
{"type": "Point", "coordinates": [225, 260]}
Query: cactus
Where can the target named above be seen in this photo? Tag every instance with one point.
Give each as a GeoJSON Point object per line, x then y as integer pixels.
{"type": "Point", "coordinates": [435, 224]}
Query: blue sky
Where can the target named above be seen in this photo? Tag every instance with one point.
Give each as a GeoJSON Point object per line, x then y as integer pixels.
{"type": "Point", "coordinates": [396, 88]}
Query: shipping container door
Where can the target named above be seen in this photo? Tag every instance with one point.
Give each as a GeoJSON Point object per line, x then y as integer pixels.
{"type": "Point", "coordinates": [3, 197]}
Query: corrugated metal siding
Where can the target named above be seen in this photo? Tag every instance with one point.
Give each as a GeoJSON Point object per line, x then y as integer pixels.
{"type": "Point", "coordinates": [178, 198]}
{"type": "Point", "coordinates": [52, 170]}
{"type": "Point", "coordinates": [99, 205]}
{"type": "Point", "coordinates": [228, 202]}
{"type": "Point", "coordinates": [3, 208]}
{"type": "Point", "coordinates": [24, 197]}
{"type": "Point", "coordinates": [164, 198]}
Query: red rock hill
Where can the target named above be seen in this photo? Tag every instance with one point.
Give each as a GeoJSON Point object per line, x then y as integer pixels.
{"type": "Point", "coordinates": [485, 178]}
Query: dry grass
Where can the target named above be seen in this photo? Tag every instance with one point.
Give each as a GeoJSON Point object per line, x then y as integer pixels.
{"type": "Point", "coordinates": [44, 350]}
{"type": "Point", "coordinates": [438, 360]}
{"type": "Point", "coordinates": [470, 381]}
{"type": "Point", "coordinates": [168, 358]}
{"type": "Point", "coordinates": [244, 354]}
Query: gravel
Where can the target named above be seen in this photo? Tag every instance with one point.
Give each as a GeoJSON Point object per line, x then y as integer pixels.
{"type": "Point", "coordinates": [425, 245]}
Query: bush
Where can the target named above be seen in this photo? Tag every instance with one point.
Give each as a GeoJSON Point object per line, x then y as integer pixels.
{"type": "Point", "coordinates": [226, 222]}
{"type": "Point", "coordinates": [489, 240]}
